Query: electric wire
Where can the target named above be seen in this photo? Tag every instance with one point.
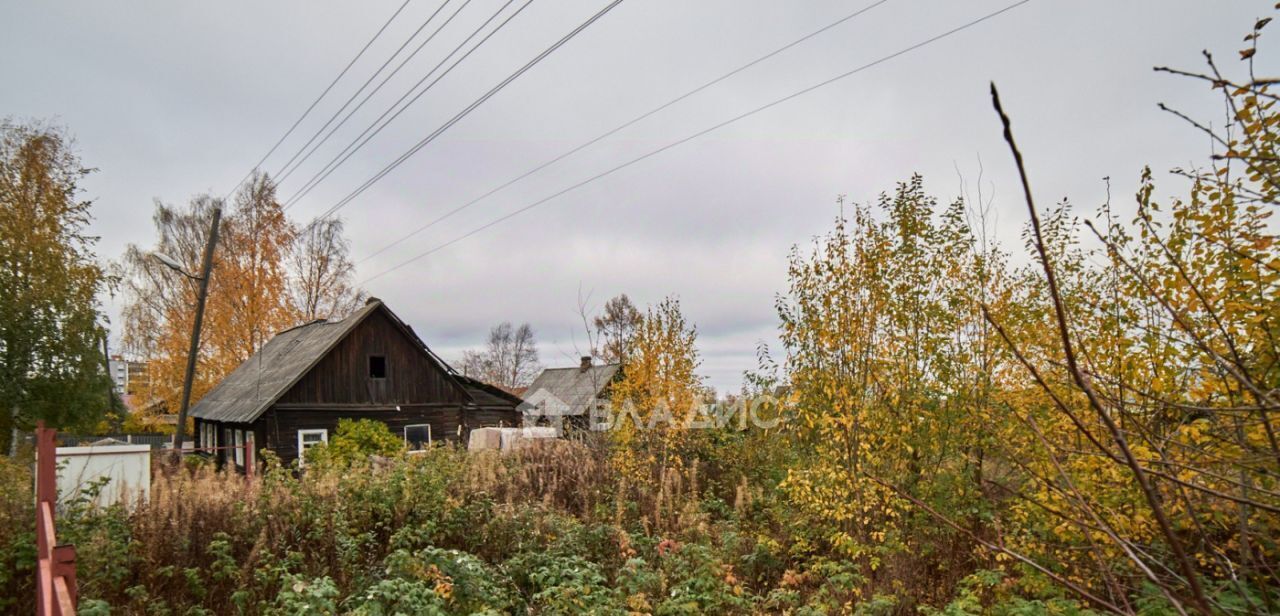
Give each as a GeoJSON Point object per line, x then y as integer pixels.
{"type": "Point", "coordinates": [298, 122]}
{"type": "Point", "coordinates": [285, 170]}
{"type": "Point", "coordinates": [313, 104]}
{"type": "Point", "coordinates": [695, 135]}
{"type": "Point", "coordinates": [365, 136]}
{"type": "Point", "coordinates": [462, 114]}
{"type": "Point", "coordinates": [621, 127]}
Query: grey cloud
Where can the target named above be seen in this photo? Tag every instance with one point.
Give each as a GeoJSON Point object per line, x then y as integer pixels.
{"type": "Point", "coordinates": [172, 99]}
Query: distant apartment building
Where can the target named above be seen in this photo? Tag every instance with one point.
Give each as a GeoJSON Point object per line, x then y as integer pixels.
{"type": "Point", "coordinates": [128, 378]}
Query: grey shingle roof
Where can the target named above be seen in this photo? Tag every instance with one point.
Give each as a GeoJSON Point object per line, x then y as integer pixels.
{"type": "Point", "coordinates": [257, 383]}
{"type": "Point", "coordinates": [577, 388]}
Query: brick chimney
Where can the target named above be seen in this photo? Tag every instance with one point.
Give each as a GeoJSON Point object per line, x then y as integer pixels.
{"type": "Point", "coordinates": [586, 363]}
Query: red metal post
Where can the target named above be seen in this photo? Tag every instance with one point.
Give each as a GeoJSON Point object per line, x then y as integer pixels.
{"type": "Point", "coordinates": [249, 462]}
{"type": "Point", "coordinates": [46, 464]}
{"type": "Point", "coordinates": [44, 560]}
{"type": "Point", "coordinates": [46, 486]}
{"type": "Point", "coordinates": [56, 564]}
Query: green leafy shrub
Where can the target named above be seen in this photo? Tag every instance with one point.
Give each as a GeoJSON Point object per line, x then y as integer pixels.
{"type": "Point", "coordinates": [354, 441]}
{"type": "Point", "coordinates": [702, 583]}
{"type": "Point", "coordinates": [302, 596]}
{"type": "Point", "coordinates": [562, 584]}
{"type": "Point", "coordinates": [465, 583]}
{"type": "Point", "coordinates": [17, 535]}
{"type": "Point", "coordinates": [399, 596]}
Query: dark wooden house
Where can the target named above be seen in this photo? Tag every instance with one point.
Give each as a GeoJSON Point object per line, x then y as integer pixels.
{"type": "Point", "coordinates": [371, 365]}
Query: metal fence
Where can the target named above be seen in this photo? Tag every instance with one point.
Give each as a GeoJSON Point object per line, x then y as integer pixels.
{"type": "Point", "coordinates": [156, 441]}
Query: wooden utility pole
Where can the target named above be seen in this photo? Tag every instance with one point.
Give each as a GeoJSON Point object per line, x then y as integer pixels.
{"type": "Point", "coordinates": [179, 435]}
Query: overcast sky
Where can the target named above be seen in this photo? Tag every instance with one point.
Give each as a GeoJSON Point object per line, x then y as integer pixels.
{"type": "Point", "coordinates": [171, 99]}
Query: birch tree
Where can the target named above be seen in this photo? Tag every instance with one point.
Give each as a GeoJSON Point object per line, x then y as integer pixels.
{"type": "Point", "coordinates": [51, 363]}
{"type": "Point", "coordinates": [321, 272]}
{"type": "Point", "coordinates": [509, 358]}
{"type": "Point", "coordinates": [267, 276]}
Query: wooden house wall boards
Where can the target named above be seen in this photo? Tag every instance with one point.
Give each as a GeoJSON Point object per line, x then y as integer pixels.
{"type": "Point", "coordinates": [291, 394]}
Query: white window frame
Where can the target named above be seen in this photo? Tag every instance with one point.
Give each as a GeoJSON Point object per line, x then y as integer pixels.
{"type": "Point", "coordinates": [239, 451]}
{"type": "Point", "coordinates": [405, 432]}
{"type": "Point", "coordinates": [324, 438]}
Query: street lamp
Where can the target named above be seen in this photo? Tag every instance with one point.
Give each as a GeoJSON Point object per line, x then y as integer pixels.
{"type": "Point", "coordinates": [179, 434]}
{"type": "Point", "coordinates": [172, 264]}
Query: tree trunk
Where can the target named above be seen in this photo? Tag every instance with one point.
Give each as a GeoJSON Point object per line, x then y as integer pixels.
{"type": "Point", "coordinates": [12, 420]}
{"type": "Point", "coordinates": [9, 429]}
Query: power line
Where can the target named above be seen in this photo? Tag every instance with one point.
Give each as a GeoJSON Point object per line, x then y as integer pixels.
{"type": "Point", "coordinates": [313, 104]}
{"type": "Point", "coordinates": [693, 136]}
{"type": "Point", "coordinates": [282, 174]}
{"type": "Point", "coordinates": [624, 125]}
{"type": "Point", "coordinates": [297, 122]}
{"type": "Point", "coordinates": [444, 127]}
{"type": "Point", "coordinates": [358, 142]}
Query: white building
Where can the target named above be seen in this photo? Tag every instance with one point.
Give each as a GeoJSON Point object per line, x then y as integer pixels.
{"type": "Point", "coordinates": [127, 377]}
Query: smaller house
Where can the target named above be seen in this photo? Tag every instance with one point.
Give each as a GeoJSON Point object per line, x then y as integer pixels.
{"type": "Point", "coordinates": [371, 365]}
{"type": "Point", "coordinates": [569, 398]}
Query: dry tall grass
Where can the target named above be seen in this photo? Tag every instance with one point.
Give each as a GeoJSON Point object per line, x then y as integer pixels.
{"type": "Point", "coordinates": [219, 543]}
{"type": "Point", "coordinates": [567, 475]}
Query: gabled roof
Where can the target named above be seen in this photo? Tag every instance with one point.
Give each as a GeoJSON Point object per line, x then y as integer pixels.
{"type": "Point", "coordinates": [250, 389]}
{"type": "Point", "coordinates": [577, 388]}
{"type": "Point", "coordinates": [485, 394]}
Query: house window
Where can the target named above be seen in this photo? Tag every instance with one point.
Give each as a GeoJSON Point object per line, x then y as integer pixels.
{"type": "Point", "coordinates": [308, 439]}
{"type": "Point", "coordinates": [377, 367]}
{"type": "Point", "coordinates": [239, 447]}
{"type": "Point", "coordinates": [417, 437]}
